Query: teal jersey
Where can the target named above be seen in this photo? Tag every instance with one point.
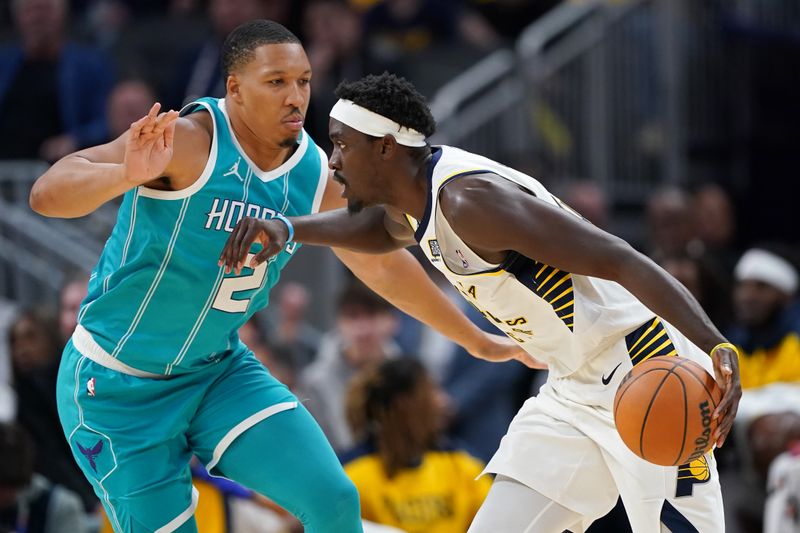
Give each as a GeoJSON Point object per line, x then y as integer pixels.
{"type": "Point", "coordinates": [158, 302]}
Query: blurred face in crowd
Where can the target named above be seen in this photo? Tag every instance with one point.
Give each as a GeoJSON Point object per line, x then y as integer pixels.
{"type": "Point", "coordinates": [225, 15]}
{"type": "Point", "coordinates": [687, 272]}
{"type": "Point", "coordinates": [272, 90]}
{"type": "Point", "coordinates": [39, 22]}
{"type": "Point", "coordinates": [71, 297]}
{"type": "Point", "coordinates": [364, 333]}
{"type": "Point", "coordinates": [670, 222]}
{"type": "Point", "coordinates": [714, 216]}
{"type": "Point", "coordinates": [293, 302]}
{"type": "Point", "coordinates": [129, 101]}
{"type": "Point", "coordinates": [31, 345]}
{"type": "Point", "coordinates": [756, 303]}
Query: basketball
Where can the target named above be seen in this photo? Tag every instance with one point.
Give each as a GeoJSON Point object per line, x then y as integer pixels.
{"type": "Point", "coordinates": [663, 410]}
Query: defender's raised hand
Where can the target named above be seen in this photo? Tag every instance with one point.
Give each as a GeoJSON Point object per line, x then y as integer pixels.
{"type": "Point", "coordinates": [272, 234]}
{"type": "Point", "coordinates": [148, 149]}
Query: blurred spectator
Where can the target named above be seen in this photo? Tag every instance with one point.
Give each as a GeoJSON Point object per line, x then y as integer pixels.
{"type": "Point", "coordinates": [275, 359]}
{"type": "Point", "coordinates": [510, 17]}
{"type": "Point", "coordinates": [72, 294]}
{"type": "Point", "coordinates": [670, 224]}
{"type": "Point", "coordinates": [336, 53]}
{"type": "Point", "coordinates": [52, 93]}
{"type": "Point", "coordinates": [715, 224]}
{"type": "Point", "coordinates": [406, 476]}
{"type": "Point", "coordinates": [588, 199]}
{"type": "Point", "coordinates": [8, 398]}
{"type": "Point", "coordinates": [767, 329]}
{"type": "Point", "coordinates": [289, 329]}
{"type": "Point", "coordinates": [365, 323]}
{"type": "Point", "coordinates": [35, 354]}
{"type": "Point", "coordinates": [129, 101]}
{"type": "Point", "coordinates": [782, 510]}
{"type": "Point", "coordinates": [201, 74]}
{"type": "Point", "coordinates": [396, 27]}
{"type": "Point", "coordinates": [706, 282]}
{"type": "Point", "coordinates": [484, 396]}
{"type": "Point", "coordinates": [29, 502]}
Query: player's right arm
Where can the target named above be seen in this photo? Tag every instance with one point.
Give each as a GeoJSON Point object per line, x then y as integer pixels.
{"type": "Point", "coordinates": [81, 182]}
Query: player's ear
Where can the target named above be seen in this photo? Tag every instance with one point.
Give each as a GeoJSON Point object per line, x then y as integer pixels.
{"type": "Point", "coordinates": [232, 87]}
{"type": "Point", "coordinates": [388, 146]}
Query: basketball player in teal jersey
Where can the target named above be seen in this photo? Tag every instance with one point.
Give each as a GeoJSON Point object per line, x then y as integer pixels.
{"type": "Point", "coordinates": [155, 371]}
{"type": "Point", "coordinates": [574, 297]}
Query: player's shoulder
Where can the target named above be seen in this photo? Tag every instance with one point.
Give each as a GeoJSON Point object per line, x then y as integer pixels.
{"type": "Point", "coordinates": [471, 193]}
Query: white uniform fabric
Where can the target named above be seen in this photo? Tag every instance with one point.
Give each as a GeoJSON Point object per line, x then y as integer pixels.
{"type": "Point", "coordinates": [590, 332]}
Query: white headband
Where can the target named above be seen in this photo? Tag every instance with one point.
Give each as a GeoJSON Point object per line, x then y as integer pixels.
{"type": "Point", "coordinates": [373, 124]}
{"type": "Point", "coordinates": [767, 267]}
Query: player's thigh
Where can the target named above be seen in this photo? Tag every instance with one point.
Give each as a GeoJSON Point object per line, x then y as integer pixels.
{"type": "Point", "coordinates": [512, 507]}
{"type": "Point", "coordinates": [137, 462]}
{"type": "Point", "coordinates": [677, 499]}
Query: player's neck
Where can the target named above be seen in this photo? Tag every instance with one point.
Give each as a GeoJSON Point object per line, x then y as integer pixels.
{"type": "Point", "coordinates": [410, 194]}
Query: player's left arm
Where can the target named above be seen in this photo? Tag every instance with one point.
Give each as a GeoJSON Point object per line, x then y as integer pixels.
{"type": "Point", "coordinates": [496, 215]}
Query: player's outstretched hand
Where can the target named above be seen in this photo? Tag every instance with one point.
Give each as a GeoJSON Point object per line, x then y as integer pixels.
{"type": "Point", "coordinates": [499, 348]}
{"type": "Point", "coordinates": [726, 370]}
{"type": "Point", "coordinates": [148, 149]}
{"type": "Point", "coordinates": [272, 234]}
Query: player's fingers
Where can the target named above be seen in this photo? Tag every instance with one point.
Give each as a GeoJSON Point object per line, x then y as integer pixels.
{"type": "Point", "coordinates": [244, 244]}
{"type": "Point", "coordinates": [268, 251]}
{"type": "Point", "coordinates": [136, 127]}
{"type": "Point", "coordinates": [225, 257]}
{"type": "Point", "coordinates": [238, 235]}
{"type": "Point", "coordinates": [169, 132]}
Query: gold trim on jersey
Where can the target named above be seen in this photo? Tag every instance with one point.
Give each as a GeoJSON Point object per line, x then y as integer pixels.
{"type": "Point", "coordinates": [649, 340]}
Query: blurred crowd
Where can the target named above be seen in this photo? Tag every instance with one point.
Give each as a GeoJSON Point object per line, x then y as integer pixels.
{"type": "Point", "coordinates": [412, 416]}
{"type": "Point", "coordinates": [77, 73]}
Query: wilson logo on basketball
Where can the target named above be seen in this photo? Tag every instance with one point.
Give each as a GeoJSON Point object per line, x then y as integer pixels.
{"type": "Point", "coordinates": [701, 442]}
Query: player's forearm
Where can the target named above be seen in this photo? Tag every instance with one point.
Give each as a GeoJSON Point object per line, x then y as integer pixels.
{"type": "Point", "coordinates": [669, 299]}
{"type": "Point", "coordinates": [362, 232]}
{"type": "Point", "coordinates": [400, 279]}
{"type": "Point", "coordinates": [74, 187]}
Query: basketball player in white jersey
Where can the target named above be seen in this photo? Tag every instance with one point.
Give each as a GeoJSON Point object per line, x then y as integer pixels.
{"type": "Point", "coordinates": [575, 298]}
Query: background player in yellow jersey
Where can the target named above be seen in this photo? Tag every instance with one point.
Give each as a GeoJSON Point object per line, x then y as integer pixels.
{"type": "Point", "coordinates": [576, 298]}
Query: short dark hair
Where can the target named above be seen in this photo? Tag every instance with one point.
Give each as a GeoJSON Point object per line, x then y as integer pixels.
{"type": "Point", "coordinates": [240, 44]}
{"type": "Point", "coordinates": [16, 449]}
{"type": "Point", "coordinates": [392, 97]}
{"type": "Point", "coordinates": [358, 297]}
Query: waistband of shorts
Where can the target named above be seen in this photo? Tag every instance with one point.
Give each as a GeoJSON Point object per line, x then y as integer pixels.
{"type": "Point", "coordinates": [88, 347]}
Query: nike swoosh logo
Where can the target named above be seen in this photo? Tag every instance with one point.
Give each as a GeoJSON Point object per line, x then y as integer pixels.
{"type": "Point", "coordinates": [607, 380]}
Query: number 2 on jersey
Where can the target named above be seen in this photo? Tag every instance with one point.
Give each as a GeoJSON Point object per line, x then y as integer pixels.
{"type": "Point", "coordinates": [224, 300]}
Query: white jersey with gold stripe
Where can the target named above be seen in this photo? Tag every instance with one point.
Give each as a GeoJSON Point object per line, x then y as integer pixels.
{"type": "Point", "coordinates": [560, 318]}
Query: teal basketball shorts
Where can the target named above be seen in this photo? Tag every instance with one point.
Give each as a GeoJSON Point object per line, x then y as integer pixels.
{"type": "Point", "coordinates": [133, 437]}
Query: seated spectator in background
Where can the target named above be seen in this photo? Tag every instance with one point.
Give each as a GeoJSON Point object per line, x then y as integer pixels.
{"type": "Point", "coordinates": [129, 101]}
{"type": "Point", "coordinates": [29, 502]}
{"type": "Point", "coordinates": [405, 475]}
{"type": "Point", "coordinates": [72, 294]}
{"type": "Point", "coordinates": [396, 27]}
{"type": "Point", "coordinates": [782, 510]}
{"type": "Point", "coordinates": [52, 93]}
{"type": "Point", "coordinates": [8, 398]}
{"type": "Point", "coordinates": [767, 329]}
{"type": "Point", "coordinates": [483, 399]}
{"type": "Point", "coordinates": [288, 329]}
{"type": "Point", "coordinates": [706, 282]}
{"type": "Point", "coordinates": [587, 198]}
{"type": "Point", "coordinates": [365, 323]}
{"type": "Point", "coordinates": [201, 74]}
{"type": "Point", "coordinates": [715, 224]}
{"type": "Point", "coordinates": [35, 354]}
{"type": "Point", "coordinates": [670, 224]}
{"type": "Point", "coordinates": [335, 52]}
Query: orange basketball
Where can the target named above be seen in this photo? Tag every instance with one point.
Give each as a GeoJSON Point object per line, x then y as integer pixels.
{"type": "Point", "coordinates": [663, 410]}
